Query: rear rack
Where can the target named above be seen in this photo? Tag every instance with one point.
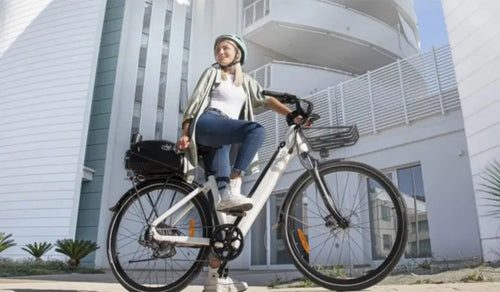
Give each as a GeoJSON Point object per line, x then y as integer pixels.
{"type": "Point", "coordinates": [326, 138]}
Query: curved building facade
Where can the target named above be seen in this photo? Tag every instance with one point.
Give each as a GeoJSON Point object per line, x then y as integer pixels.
{"type": "Point", "coordinates": [352, 36]}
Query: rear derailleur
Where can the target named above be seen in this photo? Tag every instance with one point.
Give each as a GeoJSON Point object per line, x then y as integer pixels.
{"type": "Point", "coordinates": [160, 249]}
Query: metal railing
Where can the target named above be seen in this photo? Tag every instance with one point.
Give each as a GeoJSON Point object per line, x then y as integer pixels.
{"type": "Point", "coordinates": [397, 94]}
{"type": "Point", "coordinates": [254, 12]}
{"type": "Point", "coordinates": [263, 73]}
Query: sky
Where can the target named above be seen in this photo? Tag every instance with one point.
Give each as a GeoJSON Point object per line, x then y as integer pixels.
{"type": "Point", "coordinates": [431, 24]}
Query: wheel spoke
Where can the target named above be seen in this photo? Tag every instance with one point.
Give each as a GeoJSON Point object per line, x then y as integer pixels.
{"type": "Point", "coordinates": [345, 258]}
{"type": "Point", "coordinates": [144, 263]}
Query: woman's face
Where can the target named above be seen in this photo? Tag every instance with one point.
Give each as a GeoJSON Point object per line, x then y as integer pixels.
{"type": "Point", "coordinates": [225, 52]}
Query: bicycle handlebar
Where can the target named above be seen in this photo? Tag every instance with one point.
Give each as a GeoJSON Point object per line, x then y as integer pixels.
{"type": "Point", "coordinates": [281, 96]}
{"type": "Point", "coordinates": [285, 97]}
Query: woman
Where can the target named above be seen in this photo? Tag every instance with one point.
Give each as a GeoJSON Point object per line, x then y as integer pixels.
{"type": "Point", "coordinates": [219, 114]}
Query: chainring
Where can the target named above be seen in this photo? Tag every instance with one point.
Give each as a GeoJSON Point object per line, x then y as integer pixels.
{"type": "Point", "coordinates": [226, 242]}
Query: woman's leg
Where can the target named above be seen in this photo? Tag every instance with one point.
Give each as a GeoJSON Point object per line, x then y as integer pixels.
{"type": "Point", "coordinates": [214, 130]}
{"type": "Point", "coordinates": [217, 164]}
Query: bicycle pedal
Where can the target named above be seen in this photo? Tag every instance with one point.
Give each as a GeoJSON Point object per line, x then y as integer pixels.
{"type": "Point", "coordinates": [237, 213]}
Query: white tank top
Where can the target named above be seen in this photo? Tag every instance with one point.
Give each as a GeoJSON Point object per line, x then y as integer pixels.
{"type": "Point", "coordinates": [228, 98]}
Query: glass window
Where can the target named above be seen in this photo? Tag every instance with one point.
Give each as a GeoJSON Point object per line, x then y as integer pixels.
{"type": "Point", "coordinates": [387, 241]}
{"type": "Point", "coordinates": [411, 185]}
{"type": "Point", "coordinates": [259, 239]}
{"type": "Point", "coordinates": [279, 253]}
{"type": "Point", "coordinates": [380, 218]}
{"type": "Point", "coordinates": [141, 64]}
{"type": "Point", "coordinates": [183, 98]}
{"type": "Point", "coordinates": [163, 71]}
{"type": "Point", "coordinates": [386, 213]}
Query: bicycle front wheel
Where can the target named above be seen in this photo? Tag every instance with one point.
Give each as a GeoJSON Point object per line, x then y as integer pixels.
{"type": "Point", "coordinates": [141, 263]}
{"type": "Point", "coordinates": [353, 257]}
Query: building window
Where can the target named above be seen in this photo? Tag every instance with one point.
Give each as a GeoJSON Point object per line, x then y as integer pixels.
{"type": "Point", "coordinates": [381, 221]}
{"type": "Point", "coordinates": [411, 185]}
{"type": "Point", "coordinates": [184, 95]}
{"type": "Point", "coordinates": [185, 59]}
{"type": "Point", "coordinates": [163, 71]}
{"type": "Point", "coordinates": [387, 241]}
{"type": "Point", "coordinates": [409, 181]}
{"type": "Point", "coordinates": [386, 213]}
{"type": "Point", "coordinates": [139, 84]}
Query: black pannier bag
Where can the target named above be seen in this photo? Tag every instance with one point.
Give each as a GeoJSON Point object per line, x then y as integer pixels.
{"type": "Point", "coordinates": [153, 157]}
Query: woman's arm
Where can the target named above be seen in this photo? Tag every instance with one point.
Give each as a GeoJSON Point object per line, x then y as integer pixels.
{"type": "Point", "coordinates": [277, 106]}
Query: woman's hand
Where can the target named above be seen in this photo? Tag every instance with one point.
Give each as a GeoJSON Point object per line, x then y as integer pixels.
{"type": "Point", "coordinates": [183, 142]}
{"type": "Point", "coordinates": [280, 108]}
{"type": "Point", "coordinates": [298, 119]}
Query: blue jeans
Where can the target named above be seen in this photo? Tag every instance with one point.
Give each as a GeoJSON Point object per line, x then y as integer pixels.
{"type": "Point", "coordinates": [215, 130]}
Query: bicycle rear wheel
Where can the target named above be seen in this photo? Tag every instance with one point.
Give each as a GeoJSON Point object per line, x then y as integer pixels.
{"type": "Point", "coordinates": [141, 263]}
{"type": "Point", "coordinates": [363, 253]}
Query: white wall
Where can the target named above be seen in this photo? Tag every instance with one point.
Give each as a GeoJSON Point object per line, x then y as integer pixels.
{"type": "Point", "coordinates": [259, 56]}
{"type": "Point", "coordinates": [48, 56]}
{"type": "Point", "coordinates": [475, 44]}
{"type": "Point", "coordinates": [210, 19]}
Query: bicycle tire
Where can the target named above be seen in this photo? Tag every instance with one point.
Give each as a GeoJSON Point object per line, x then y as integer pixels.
{"type": "Point", "coordinates": [360, 255]}
{"type": "Point", "coordinates": [131, 251]}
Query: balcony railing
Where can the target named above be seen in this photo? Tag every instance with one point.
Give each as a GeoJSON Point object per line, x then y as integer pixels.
{"type": "Point", "coordinates": [263, 74]}
{"type": "Point", "coordinates": [255, 11]}
{"type": "Point", "coordinates": [394, 95]}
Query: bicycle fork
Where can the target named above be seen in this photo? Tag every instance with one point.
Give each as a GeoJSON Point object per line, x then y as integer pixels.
{"type": "Point", "coordinates": [327, 198]}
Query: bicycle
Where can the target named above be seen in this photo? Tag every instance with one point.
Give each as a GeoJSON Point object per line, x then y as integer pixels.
{"type": "Point", "coordinates": [344, 222]}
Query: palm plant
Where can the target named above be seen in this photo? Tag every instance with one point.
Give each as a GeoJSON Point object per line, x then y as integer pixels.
{"type": "Point", "coordinates": [37, 250]}
{"type": "Point", "coordinates": [491, 186]}
{"type": "Point", "coordinates": [75, 250]}
{"type": "Point", "coordinates": [5, 242]}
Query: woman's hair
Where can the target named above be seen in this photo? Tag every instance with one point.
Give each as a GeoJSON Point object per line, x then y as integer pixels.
{"type": "Point", "coordinates": [238, 75]}
{"type": "Point", "coordinates": [238, 71]}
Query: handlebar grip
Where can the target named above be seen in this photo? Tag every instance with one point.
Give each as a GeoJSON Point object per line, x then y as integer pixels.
{"type": "Point", "coordinates": [273, 93]}
{"type": "Point", "coordinates": [281, 96]}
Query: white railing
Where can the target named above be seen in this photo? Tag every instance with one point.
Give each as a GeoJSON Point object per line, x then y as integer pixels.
{"type": "Point", "coordinates": [255, 11]}
{"type": "Point", "coordinates": [397, 94]}
{"type": "Point", "coordinates": [262, 75]}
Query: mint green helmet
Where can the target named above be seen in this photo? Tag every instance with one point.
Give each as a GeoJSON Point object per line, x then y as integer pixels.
{"type": "Point", "coordinates": [237, 40]}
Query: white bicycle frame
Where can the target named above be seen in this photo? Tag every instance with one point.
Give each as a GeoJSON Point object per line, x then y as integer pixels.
{"type": "Point", "coordinates": [287, 150]}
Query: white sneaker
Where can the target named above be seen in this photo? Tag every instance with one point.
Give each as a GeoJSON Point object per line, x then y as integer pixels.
{"type": "Point", "coordinates": [232, 199]}
{"type": "Point", "coordinates": [216, 284]}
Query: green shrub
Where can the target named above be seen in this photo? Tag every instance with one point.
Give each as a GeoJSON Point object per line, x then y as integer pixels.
{"type": "Point", "coordinates": [75, 250]}
{"type": "Point", "coordinates": [11, 268]}
{"type": "Point", "coordinates": [5, 242]}
{"type": "Point", "coordinates": [491, 186]}
{"type": "Point", "coordinates": [37, 250]}
{"type": "Point", "coordinates": [475, 276]}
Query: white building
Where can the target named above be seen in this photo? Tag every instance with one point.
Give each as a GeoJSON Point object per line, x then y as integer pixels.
{"type": "Point", "coordinates": [475, 46]}
{"type": "Point", "coordinates": [78, 77]}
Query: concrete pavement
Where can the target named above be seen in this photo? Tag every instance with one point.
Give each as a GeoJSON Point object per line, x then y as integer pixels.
{"type": "Point", "coordinates": [257, 279]}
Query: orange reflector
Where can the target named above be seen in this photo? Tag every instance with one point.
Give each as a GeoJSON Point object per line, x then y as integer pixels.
{"type": "Point", "coordinates": [303, 240]}
{"type": "Point", "coordinates": [191, 227]}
